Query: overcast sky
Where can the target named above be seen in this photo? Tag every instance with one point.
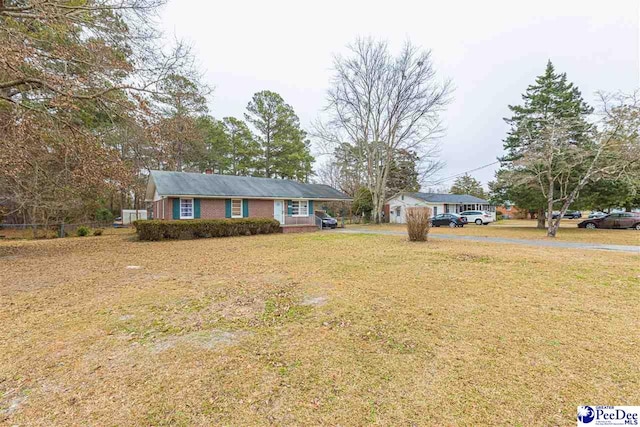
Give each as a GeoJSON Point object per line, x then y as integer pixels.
{"type": "Point", "coordinates": [490, 49]}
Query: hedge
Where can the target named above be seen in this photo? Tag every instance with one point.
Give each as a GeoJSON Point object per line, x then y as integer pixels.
{"type": "Point", "coordinates": [198, 228]}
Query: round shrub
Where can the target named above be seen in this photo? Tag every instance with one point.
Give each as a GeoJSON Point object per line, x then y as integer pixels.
{"type": "Point", "coordinates": [104, 215]}
{"type": "Point", "coordinates": [83, 231]}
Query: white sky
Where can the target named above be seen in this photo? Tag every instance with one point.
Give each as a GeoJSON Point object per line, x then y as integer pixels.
{"type": "Point", "coordinates": [490, 49]}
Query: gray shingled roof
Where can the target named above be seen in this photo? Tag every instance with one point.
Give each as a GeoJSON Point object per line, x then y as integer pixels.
{"type": "Point", "coordinates": [212, 185]}
{"type": "Point", "coordinates": [448, 198]}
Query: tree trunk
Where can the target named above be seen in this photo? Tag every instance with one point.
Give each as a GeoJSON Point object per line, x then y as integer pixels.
{"type": "Point", "coordinates": [541, 219]}
{"type": "Point", "coordinates": [552, 229]}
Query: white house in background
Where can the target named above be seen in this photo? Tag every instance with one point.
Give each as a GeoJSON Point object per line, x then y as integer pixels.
{"type": "Point", "coordinates": [396, 206]}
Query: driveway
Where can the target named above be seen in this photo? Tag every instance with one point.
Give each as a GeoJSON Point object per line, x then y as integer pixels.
{"type": "Point", "coordinates": [525, 242]}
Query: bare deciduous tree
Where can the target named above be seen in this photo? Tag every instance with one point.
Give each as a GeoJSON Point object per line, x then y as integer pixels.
{"type": "Point", "coordinates": [379, 104]}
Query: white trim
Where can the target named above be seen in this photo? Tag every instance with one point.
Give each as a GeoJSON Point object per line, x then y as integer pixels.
{"type": "Point", "coordinates": [283, 213]}
{"type": "Point", "coordinates": [299, 214]}
{"type": "Point", "coordinates": [241, 209]}
{"type": "Point", "coordinates": [192, 208]}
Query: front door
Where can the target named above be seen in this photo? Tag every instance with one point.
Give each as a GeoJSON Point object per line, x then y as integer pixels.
{"type": "Point", "coordinates": [278, 210]}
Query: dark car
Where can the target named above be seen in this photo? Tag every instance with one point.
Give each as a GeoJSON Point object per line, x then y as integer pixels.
{"type": "Point", "coordinates": [327, 221]}
{"type": "Point", "coordinates": [614, 220]}
{"type": "Point", "coordinates": [573, 214]}
{"type": "Point", "coordinates": [449, 219]}
{"type": "Point", "coordinates": [567, 214]}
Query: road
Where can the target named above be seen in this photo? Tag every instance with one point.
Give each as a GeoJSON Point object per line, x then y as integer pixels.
{"type": "Point", "coordinates": [525, 242]}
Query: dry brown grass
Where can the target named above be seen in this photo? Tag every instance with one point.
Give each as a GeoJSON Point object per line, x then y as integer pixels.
{"type": "Point", "coordinates": [312, 329]}
{"type": "Point", "coordinates": [526, 229]}
{"type": "Point", "coordinates": [27, 234]}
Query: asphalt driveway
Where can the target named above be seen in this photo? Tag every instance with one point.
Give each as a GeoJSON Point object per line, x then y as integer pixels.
{"type": "Point", "coordinates": [525, 242]}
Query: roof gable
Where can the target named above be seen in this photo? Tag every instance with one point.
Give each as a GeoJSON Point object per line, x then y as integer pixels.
{"type": "Point", "coordinates": [212, 185]}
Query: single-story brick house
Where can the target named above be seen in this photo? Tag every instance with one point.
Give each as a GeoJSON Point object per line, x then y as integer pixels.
{"type": "Point", "coordinates": [396, 206]}
{"type": "Point", "coordinates": [184, 196]}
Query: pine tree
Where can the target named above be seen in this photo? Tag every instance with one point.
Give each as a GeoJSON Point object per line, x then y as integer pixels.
{"type": "Point", "coordinates": [550, 98]}
{"type": "Point", "coordinates": [403, 173]}
{"type": "Point", "coordinates": [243, 149]}
{"type": "Point", "coordinates": [285, 149]}
{"type": "Point", "coordinates": [216, 145]}
{"type": "Point", "coordinates": [467, 184]}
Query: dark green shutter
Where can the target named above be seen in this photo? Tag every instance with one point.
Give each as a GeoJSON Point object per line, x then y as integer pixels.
{"type": "Point", "coordinates": [176, 208]}
{"type": "Point", "coordinates": [311, 212]}
{"type": "Point", "coordinates": [196, 208]}
{"type": "Point", "coordinates": [245, 208]}
{"type": "Point", "coordinates": [227, 208]}
{"type": "Point", "coordinates": [289, 208]}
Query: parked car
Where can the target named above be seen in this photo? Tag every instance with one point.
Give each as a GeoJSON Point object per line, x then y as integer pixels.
{"type": "Point", "coordinates": [450, 219]}
{"type": "Point", "coordinates": [479, 217]}
{"type": "Point", "coordinates": [117, 222]}
{"type": "Point", "coordinates": [597, 214]}
{"type": "Point", "coordinates": [572, 214]}
{"type": "Point", "coordinates": [614, 220]}
{"type": "Point", "coordinates": [567, 214]}
{"type": "Point", "coordinates": [327, 221]}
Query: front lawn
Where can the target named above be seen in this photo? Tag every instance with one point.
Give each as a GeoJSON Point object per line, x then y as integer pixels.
{"type": "Point", "coordinates": [312, 329]}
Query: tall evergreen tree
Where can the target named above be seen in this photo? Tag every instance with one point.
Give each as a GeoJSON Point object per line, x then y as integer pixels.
{"type": "Point", "coordinates": [403, 173]}
{"type": "Point", "coordinates": [243, 149]}
{"type": "Point", "coordinates": [550, 98]}
{"type": "Point", "coordinates": [216, 145]}
{"type": "Point", "coordinates": [467, 184]}
{"type": "Point", "coordinates": [285, 149]}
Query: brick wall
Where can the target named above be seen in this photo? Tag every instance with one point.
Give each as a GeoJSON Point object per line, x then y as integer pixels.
{"type": "Point", "coordinates": [260, 208]}
{"type": "Point", "coordinates": [215, 208]}
{"type": "Point", "coordinates": [212, 208]}
{"type": "Point", "coordinates": [157, 209]}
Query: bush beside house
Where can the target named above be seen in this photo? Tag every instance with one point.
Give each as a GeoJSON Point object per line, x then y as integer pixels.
{"type": "Point", "coordinates": [203, 228]}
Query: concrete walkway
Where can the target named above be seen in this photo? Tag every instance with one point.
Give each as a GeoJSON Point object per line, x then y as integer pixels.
{"type": "Point", "coordinates": [526, 242]}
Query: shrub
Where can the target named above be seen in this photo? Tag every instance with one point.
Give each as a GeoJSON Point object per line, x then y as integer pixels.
{"type": "Point", "coordinates": [98, 232]}
{"type": "Point", "coordinates": [199, 228]}
{"type": "Point", "coordinates": [418, 223]}
{"type": "Point", "coordinates": [362, 202]}
{"type": "Point", "coordinates": [83, 231]}
{"type": "Point", "coordinates": [104, 215]}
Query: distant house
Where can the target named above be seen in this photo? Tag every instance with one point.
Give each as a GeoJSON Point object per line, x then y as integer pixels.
{"type": "Point", "coordinates": [184, 196]}
{"type": "Point", "coordinates": [512, 211]}
{"type": "Point", "coordinates": [396, 206]}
